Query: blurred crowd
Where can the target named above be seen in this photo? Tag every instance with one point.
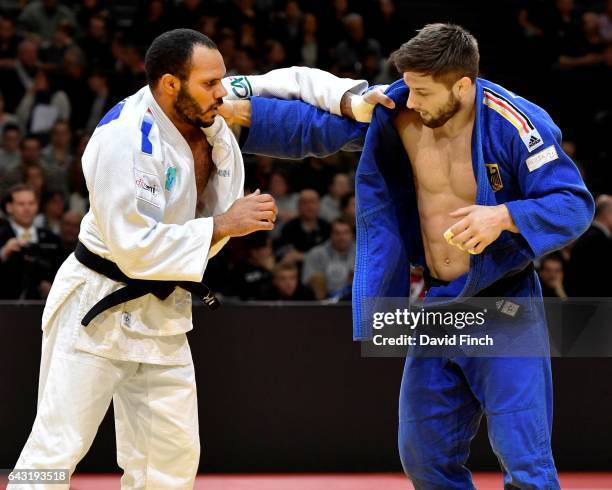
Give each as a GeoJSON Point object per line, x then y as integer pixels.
{"type": "Point", "coordinates": [64, 64]}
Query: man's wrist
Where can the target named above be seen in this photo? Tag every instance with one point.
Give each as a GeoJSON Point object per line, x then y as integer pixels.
{"type": "Point", "coordinates": [346, 108]}
{"type": "Point", "coordinates": [506, 221]}
{"type": "Point", "coordinates": [220, 228]}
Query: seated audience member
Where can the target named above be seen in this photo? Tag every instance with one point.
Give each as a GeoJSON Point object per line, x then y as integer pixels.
{"type": "Point", "coordinates": [304, 232]}
{"type": "Point", "coordinates": [43, 17]}
{"type": "Point", "coordinates": [5, 117]}
{"type": "Point", "coordinates": [330, 203]}
{"type": "Point", "coordinates": [29, 256]}
{"type": "Point", "coordinates": [286, 201]}
{"type": "Point", "coordinates": [53, 205]}
{"type": "Point", "coordinates": [286, 285]}
{"type": "Point", "coordinates": [252, 276]}
{"type": "Point", "coordinates": [590, 267]}
{"type": "Point", "coordinates": [328, 268]}
{"type": "Point", "coordinates": [42, 105]}
{"type": "Point", "coordinates": [551, 276]}
{"type": "Point", "coordinates": [9, 152]}
{"type": "Point", "coordinates": [347, 209]}
{"type": "Point", "coordinates": [70, 226]}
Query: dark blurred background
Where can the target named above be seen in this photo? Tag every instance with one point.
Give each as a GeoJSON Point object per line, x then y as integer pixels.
{"type": "Point", "coordinates": [63, 64]}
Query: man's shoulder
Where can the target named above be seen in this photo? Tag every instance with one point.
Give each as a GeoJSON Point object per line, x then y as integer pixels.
{"type": "Point", "coordinates": [518, 117]}
{"type": "Point", "coordinates": [6, 232]}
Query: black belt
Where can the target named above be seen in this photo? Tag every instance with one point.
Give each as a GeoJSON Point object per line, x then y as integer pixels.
{"type": "Point", "coordinates": [495, 289]}
{"type": "Point", "coordinates": [134, 288]}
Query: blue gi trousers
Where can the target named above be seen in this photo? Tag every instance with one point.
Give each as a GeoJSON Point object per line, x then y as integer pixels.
{"type": "Point", "coordinates": [442, 401]}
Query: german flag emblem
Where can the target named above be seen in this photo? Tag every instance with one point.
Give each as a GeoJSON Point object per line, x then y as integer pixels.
{"type": "Point", "coordinates": [494, 176]}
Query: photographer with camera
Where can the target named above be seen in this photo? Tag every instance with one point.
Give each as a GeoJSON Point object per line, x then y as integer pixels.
{"type": "Point", "coordinates": [29, 256]}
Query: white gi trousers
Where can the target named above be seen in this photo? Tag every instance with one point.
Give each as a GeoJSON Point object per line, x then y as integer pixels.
{"type": "Point", "coordinates": [156, 416]}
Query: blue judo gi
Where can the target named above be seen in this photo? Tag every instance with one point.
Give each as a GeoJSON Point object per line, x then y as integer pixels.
{"type": "Point", "coordinates": [517, 160]}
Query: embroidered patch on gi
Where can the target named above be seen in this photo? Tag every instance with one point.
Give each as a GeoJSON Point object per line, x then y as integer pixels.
{"type": "Point", "coordinates": [146, 145]}
{"type": "Point", "coordinates": [170, 178]}
{"type": "Point", "coordinates": [148, 188]}
{"type": "Point", "coordinates": [494, 176]}
{"type": "Point", "coordinates": [507, 307]}
{"type": "Point", "coordinates": [241, 87]}
{"type": "Point", "coordinates": [511, 113]}
{"type": "Point", "coordinates": [223, 173]}
{"type": "Point", "coordinates": [547, 155]}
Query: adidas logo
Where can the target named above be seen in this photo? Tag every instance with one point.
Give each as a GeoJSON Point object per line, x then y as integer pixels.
{"type": "Point", "coordinates": [534, 140]}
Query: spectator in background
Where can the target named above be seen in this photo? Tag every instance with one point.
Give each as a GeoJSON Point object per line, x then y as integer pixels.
{"type": "Point", "coordinates": [86, 10]}
{"type": "Point", "coordinates": [42, 17]}
{"type": "Point", "coordinates": [129, 76]}
{"type": "Point", "coordinates": [28, 255]}
{"type": "Point", "coordinates": [9, 152]}
{"type": "Point", "coordinates": [251, 277]}
{"type": "Point", "coordinates": [313, 52]}
{"type": "Point", "coordinates": [286, 201]}
{"type": "Point", "coordinates": [52, 207]}
{"type": "Point", "coordinates": [74, 83]}
{"type": "Point", "coordinates": [42, 105]}
{"type": "Point", "coordinates": [52, 53]}
{"type": "Point", "coordinates": [101, 102]}
{"type": "Point", "coordinates": [387, 27]}
{"type": "Point", "coordinates": [153, 19]}
{"type": "Point", "coordinates": [79, 196]}
{"type": "Point", "coordinates": [605, 23]}
{"type": "Point", "coordinates": [274, 56]}
{"type": "Point", "coordinates": [330, 204]}
{"type": "Point", "coordinates": [95, 43]}
{"type": "Point", "coordinates": [286, 285]}
{"type": "Point", "coordinates": [352, 51]}
{"type": "Point", "coordinates": [551, 276]}
{"type": "Point", "coordinates": [304, 232]}
{"type": "Point", "coordinates": [57, 156]}
{"type": "Point", "coordinates": [70, 226]}
{"type": "Point", "coordinates": [328, 268]}
{"type": "Point", "coordinates": [35, 177]}
{"type": "Point", "coordinates": [5, 117]}
{"type": "Point", "coordinates": [227, 47]}
{"type": "Point", "coordinates": [347, 208]}
{"type": "Point", "coordinates": [9, 42]}
{"type": "Point", "coordinates": [188, 13]}
{"type": "Point", "coordinates": [29, 150]}
{"type": "Point", "coordinates": [20, 77]}
{"type": "Point", "coordinates": [287, 29]}
{"type": "Point", "coordinates": [589, 271]}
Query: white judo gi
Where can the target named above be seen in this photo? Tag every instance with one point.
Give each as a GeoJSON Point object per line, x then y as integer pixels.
{"type": "Point", "coordinates": [140, 176]}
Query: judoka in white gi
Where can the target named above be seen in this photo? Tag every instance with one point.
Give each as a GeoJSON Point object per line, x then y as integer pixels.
{"type": "Point", "coordinates": [149, 174]}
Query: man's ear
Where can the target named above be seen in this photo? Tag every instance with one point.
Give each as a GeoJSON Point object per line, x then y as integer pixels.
{"type": "Point", "coordinates": [462, 86]}
{"type": "Point", "coordinates": [169, 85]}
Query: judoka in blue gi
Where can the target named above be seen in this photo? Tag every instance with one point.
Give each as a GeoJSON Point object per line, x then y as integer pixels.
{"type": "Point", "coordinates": [469, 180]}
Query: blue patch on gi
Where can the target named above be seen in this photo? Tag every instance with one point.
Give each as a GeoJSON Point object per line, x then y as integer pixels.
{"type": "Point", "coordinates": [146, 146]}
{"type": "Point", "coordinates": [170, 178]}
{"type": "Point", "coordinates": [111, 115]}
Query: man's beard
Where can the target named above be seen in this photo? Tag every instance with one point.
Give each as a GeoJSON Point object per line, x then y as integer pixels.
{"type": "Point", "coordinates": [189, 110]}
{"type": "Point", "coordinates": [451, 108]}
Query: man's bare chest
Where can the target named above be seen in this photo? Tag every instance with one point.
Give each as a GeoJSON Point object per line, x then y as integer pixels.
{"type": "Point", "coordinates": [202, 164]}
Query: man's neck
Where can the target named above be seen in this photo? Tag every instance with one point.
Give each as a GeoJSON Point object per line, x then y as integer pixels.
{"type": "Point", "coordinates": [16, 225]}
{"type": "Point", "coordinates": [462, 120]}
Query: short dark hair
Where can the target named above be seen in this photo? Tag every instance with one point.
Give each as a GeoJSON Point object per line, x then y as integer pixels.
{"type": "Point", "coordinates": [21, 187]}
{"type": "Point", "coordinates": [444, 51]}
{"type": "Point", "coordinates": [10, 127]}
{"type": "Point", "coordinates": [171, 52]}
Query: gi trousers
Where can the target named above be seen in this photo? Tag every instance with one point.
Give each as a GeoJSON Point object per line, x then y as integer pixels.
{"type": "Point", "coordinates": [156, 416]}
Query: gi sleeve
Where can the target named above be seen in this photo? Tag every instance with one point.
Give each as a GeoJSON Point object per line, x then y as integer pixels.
{"type": "Point", "coordinates": [314, 86]}
{"type": "Point", "coordinates": [294, 129]}
{"type": "Point", "coordinates": [557, 207]}
{"type": "Point", "coordinates": [128, 200]}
